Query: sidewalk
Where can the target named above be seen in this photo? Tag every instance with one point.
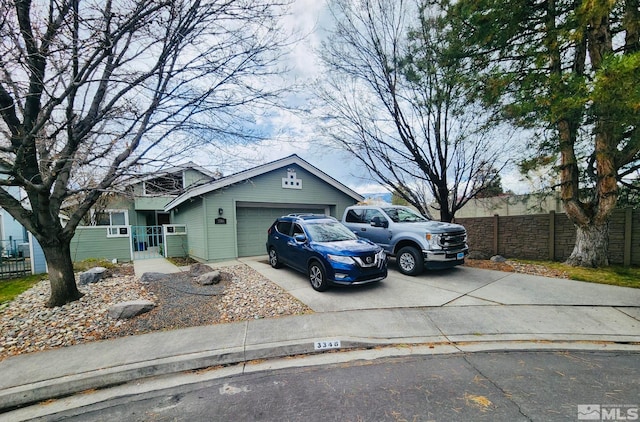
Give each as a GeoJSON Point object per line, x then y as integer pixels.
{"type": "Point", "coordinates": [154, 265]}
{"type": "Point", "coordinates": [454, 328]}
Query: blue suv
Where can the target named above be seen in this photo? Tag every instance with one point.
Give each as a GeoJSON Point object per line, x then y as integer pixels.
{"type": "Point", "coordinates": [324, 249]}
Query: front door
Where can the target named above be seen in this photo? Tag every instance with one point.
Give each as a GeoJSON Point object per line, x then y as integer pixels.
{"type": "Point", "coordinates": [163, 218]}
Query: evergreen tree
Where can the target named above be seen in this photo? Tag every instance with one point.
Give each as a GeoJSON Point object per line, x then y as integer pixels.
{"type": "Point", "coordinates": [570, 71]}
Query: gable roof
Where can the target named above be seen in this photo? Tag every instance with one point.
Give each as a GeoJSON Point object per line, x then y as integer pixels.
{"type": "Point", "coordinates": [257, 171]}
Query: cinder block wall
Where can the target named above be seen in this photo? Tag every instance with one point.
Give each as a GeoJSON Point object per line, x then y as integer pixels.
{"type": "Point", "coordinates": [549, 236]}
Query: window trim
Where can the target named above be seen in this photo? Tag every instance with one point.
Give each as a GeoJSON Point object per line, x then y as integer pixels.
{"type": "Point", "coordinates": [174, 229]}
{"type": "Point", "coordinates": [117, 231]}
{"type": "Point", "coordinates": [112, 211]}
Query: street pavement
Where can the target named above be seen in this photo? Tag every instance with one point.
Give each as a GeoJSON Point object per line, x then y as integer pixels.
{"type": "Point", "coordinates": [458, 310]}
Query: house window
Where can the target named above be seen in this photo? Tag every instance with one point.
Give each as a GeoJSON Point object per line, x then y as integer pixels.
{"type": "Point", "coordinates": [168, 184]}
{"type": "Point", "coordinates": [112, 218]}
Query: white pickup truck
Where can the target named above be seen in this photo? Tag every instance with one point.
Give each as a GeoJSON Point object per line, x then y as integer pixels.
{"type": "Point", "coordinates": [414, 240]}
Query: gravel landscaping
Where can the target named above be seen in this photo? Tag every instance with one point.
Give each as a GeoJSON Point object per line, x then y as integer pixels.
{"type": "Point", "coordinates": [26, 325]}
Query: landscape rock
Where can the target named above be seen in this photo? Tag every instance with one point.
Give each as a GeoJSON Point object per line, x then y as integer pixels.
{"type": "Point", "coordinates": [93, 275]}
{"type": "Point", "coordinates": [199, 269]}
{"type": "Point", "coordinates": [498, 258]}
{"type": "Point", "coordinates": [209, 278]}
{"type": "Point", "coordinates": [151, 277]}
{"type": "Point", "coordinates": [478, 255]}
{"type": "Point", "coordinates": [130, 309]}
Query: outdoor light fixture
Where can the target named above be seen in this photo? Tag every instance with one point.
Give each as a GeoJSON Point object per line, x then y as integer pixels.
{"type": "Point", "coordinates": [220, 211]}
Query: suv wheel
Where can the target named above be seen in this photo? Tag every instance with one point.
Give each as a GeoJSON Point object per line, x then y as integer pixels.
{"type": "Point", "coordinates": [273, 258]}
{"type": "Point", "coordinates": [409, 260]}
{"type": "Point", "coordinates": [317, 277]}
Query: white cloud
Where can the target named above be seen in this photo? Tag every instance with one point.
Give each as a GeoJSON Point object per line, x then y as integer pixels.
{"type": "Point", "coordinates": [303, 21]}
{"type": "Point", "coordinates": [512, 180]}
{"type": "Point", "coordinates": [295, 132]}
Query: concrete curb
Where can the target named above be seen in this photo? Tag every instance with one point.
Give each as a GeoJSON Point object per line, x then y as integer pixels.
{"type": "Point", "coordinates": [101, 378]}
{"type": "Point", "coordinates": [531, 313]}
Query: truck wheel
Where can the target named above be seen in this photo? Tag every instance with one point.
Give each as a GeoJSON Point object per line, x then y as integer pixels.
{"type": "Point", "coordinates": [410, 261]}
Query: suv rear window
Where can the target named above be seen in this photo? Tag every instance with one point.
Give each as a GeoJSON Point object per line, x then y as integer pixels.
{"type": "Point", "coordinates": [284, 227]}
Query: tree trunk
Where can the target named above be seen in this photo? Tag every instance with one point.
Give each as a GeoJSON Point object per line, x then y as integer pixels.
{"type": "Point", "coordinates": [61, 275]}
{"type": "Point", "coordinates": [445, 210]}
{"type": "Point", "coordinates": [592, 246]}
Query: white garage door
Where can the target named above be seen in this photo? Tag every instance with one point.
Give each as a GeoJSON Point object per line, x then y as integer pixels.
{"type": "Point", "coordinates": [253, 224]}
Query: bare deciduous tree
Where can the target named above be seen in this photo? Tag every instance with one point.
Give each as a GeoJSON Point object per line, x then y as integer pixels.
{"type": "Point", "coordinates": [110, 85]}
{"type": "Point", "coordinates": [398, 104]}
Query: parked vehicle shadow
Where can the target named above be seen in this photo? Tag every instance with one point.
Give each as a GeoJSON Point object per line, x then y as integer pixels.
{"type": "Point", "coordinates": [433, 273]}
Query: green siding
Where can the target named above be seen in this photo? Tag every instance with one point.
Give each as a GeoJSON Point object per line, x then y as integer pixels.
{"type": "Point", "coordinates": [265, 189]}
{"type": "Point", "coordinates": [177, 245]}
{"type": "Point", "coordinates": [92, 242]}
{"type": "Point", "coordinates": [151, 203]}
{"type": "Point", "coordinates": [135, 219]}
{"type": "Point", "coordinates": [192, 177]}
{"type": "Point", "coordinates": [268, 188]}
{"type": "Point", "coordinates": [192, 215]}
{"type": "Point", "coordinates": [221, 238]}
{"type": "Point", "coordinates": [138, 219]}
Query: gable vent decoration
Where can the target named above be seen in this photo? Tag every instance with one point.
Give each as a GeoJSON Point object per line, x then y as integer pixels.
{"type": "Point", "coordinates": [291, 181]}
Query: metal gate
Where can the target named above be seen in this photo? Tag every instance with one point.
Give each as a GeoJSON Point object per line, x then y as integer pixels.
{"type": "Point", "coordinates": [14, 258]}
{"type": "Point", "coordinates": [147, 242]}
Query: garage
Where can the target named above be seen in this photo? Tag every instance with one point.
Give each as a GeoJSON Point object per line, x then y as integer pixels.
{"type": "Point", "coordinates": [229, 217]}
{"type": "Point", "coordinates": [253, 222]}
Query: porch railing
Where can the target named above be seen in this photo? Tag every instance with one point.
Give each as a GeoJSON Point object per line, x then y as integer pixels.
{"type": "Point", "coordinates": [15, 260]}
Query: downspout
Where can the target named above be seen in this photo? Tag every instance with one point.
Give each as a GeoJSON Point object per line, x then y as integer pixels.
{"type": "Point", "coordinates": [206, 228]}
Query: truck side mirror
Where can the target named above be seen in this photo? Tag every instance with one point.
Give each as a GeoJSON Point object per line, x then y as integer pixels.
{"type": "Point", "coordinates": [379, 222]}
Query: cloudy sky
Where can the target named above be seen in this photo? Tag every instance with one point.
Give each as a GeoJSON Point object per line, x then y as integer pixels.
{"type": "Point", "coordinates": [295, 133]}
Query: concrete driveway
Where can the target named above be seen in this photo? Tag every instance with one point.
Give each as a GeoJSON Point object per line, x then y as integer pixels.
{"type": "Point", "coordinates": [460, 286]}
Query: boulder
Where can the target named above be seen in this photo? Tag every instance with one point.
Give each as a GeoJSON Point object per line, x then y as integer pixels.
{"type": "Point", "coordinates": [498, 258]}
{"type": "Point", "coordinates": [478, 255]}
{"type": "Point", "coordinates": [199, 269]}
{"type": "Point", "coordinates": [93, 275]}
{"type": "Point", "coordinates": [209, 278]}
{"type": "Point", "coordinates": [151, 277]}
{"type": "Point", "coordinates": [130, 309]}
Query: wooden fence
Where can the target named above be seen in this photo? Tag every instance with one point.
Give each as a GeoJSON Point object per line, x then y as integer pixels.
{"type": "Point", "coordinates": [549, 236]}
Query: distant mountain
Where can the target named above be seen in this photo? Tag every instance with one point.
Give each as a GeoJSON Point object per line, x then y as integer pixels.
{"type": "Point", "coordinates": [378, 197]}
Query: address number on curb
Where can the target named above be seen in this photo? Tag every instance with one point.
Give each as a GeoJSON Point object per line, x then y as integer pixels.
{"type": "Point", "coordinates": [326, 344]}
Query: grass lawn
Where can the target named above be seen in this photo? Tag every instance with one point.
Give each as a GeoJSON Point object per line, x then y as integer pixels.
{"type": "Point", "coordinates": [11, 288]}
{"type": "Point", "coordinates": [615, 275]}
